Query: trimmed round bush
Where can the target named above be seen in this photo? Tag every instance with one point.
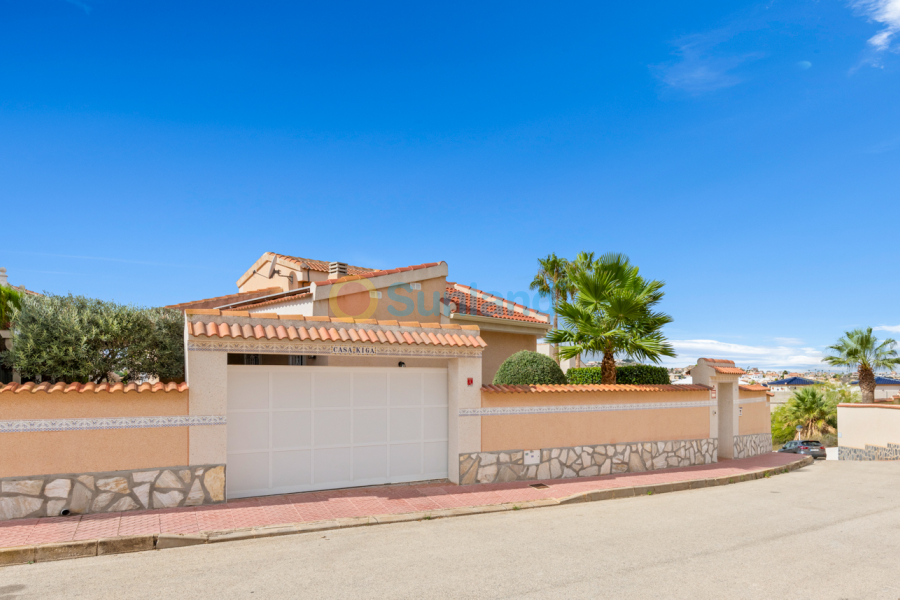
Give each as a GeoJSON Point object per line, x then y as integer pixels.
{"type": "Point", "coordinates": [529, 368]}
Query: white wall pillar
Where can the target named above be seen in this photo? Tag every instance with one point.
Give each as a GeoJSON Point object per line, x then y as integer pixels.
{"type": "Point", "coordinates": [464, 432]}
{"type": "Point", "coordinates": [207, 374]}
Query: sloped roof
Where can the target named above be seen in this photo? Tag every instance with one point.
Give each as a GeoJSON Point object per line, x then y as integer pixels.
{"type": "Point", "coordinates": [471, 301]}
{"type": "Point", "coordinates": [319, 265]}
{"type": "Point", "coordinates": [369, 274]}
{"type": "Point", "coordinates": [728, 370]}
{"type": "Point", "coordinates": [792, 381]}
{"type": "Point", "coordinates": [881, 381]}
{"type": "Point", "coordinates": [225, 300]}
{"type": "Point", "coordinates": [753, 388]}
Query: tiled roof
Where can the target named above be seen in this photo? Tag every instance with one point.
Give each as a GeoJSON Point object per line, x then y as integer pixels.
{"type": "Point", "coordinates": [83, 388]}
{"type": "Point", "coordinates": [344, 330]}
{"type": "Point", "coordinates": [594, 388]}
{"type": "Point", "coordinates": [476, 302]}
{"type": "Point", "coordinates": [729, 370]}
{"type": "Point", "coordinates": [284, 298]}
{"type": "Point", "coordinates": [369, 274]}
{"type": "Point", "coordinates": [719, 361]}
{"type": "Point", "coordinates": [753, 388]}
{"type": "Point", "coordinates": [223, 300]}
{"type": "Point", "coordinates": [319, 265]}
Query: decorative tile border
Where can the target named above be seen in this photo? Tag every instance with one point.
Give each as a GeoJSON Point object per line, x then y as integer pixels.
{"type": "Point", "coordinates": [324, 348]}
{"type": "Point", "coordinates": [578, 408]}
{"type": "Point", "coordinates": [33, 425]}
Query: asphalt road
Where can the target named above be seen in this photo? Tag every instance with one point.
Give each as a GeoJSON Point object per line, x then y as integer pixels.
{"type": "Point", "coordinates": [831, 530]}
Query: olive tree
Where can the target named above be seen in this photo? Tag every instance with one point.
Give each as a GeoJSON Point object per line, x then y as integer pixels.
{"type": "Point", "coordinates": [73, 338]}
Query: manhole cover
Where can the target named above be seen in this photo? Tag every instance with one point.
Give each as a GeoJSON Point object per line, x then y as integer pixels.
{"type": "Point", "coordinates": [539, 486]}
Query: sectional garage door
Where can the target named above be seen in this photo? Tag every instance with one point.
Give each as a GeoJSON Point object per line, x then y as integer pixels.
{"type": "Point", "coordinates": [300, 428]}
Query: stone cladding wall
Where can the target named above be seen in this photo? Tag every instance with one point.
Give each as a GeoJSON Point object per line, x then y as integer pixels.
{"type": "Point", "coordinates": [891, 452]}
{"type": "Point", "coordinates": [78, 494]}
{"type": "Point", "coordinates": [753, 444]}
{"type": "Point", "coordinates": [586, 461]}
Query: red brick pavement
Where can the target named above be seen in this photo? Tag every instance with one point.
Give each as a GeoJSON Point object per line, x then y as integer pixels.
{"type": "Point", "coordinates": [352, 502]}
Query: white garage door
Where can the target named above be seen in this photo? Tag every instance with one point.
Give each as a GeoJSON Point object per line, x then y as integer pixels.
{"type": "Point", "coordinates": [299, 428]}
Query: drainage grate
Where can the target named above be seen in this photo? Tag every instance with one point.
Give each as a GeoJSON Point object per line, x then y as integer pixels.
{"type": "Point", "coordinates": [539, 486]}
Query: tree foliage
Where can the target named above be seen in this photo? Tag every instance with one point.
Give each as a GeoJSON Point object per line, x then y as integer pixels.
{"type": "Point", "coordinates": [859, 349]}
{"type": "Point", "coordinates": [551, 281]}
{"type": "Point", "coordinates": [613, 313]}
{"type": "Point", "coordinates": [73, 338]}
{"type": "Point", "coordinates": [814, 408]}
{"type": "Point", "coordinates": [10, 299]}
{"type": "Point", "coordinates": [627, 374]}
{"type": "Point", "coordinates": [529, 368]}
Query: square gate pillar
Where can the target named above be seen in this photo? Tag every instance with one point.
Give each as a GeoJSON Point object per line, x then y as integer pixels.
{"type": "Point", "coordinates": [207, 379]}
{"type": "Point", "coordinates": [463, 391]}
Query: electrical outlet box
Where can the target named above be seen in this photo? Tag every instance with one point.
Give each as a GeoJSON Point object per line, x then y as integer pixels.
{"type": "Point", "coordinates": [532, 457]}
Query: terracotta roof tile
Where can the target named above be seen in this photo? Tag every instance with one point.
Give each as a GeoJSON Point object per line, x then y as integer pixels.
{"type": "Point", "coordinates": [593, 388]}
{"type": "Point", "coordinates": [82, 388]}
{"type": "Point", "coordinates": [225, 300]}
{"type": "Point", "coordinates": [470, 301]}
{"type": "Point", "coordinates": [753, 388]}
{"type": "Point", "coordinates": [338, 332]}
{"type": "Point", "coordinates": [370, 274]}
{"type": "Point", "coordinates": [720, 361]}
{"type": "Point", "coordinates": [319, 265]}
{"type": "Point", "coordinates": [729, 370]}
{"type": "Point", "coordinates": [297, 295]}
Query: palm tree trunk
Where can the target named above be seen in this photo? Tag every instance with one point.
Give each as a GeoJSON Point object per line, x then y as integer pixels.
{"type": "Point", "coordinates": [554, 348]}
{"type": "Point", "coordinates": [867, 384]}
{"type": "Point", "coordinates": [608, 368]}
{"type": "Point", "coordinates": [578, 364]}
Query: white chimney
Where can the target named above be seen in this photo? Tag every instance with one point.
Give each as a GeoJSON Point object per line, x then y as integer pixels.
{"type": "Point", "coordinates": [336, 270]}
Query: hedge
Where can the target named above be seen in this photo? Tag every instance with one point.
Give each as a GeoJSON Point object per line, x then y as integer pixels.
{"type": "Point", "coordinates": [627, 375]}
{"type": "Point", "coordinates": [529, 368]}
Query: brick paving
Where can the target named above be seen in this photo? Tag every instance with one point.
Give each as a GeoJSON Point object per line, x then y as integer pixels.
{"type": "Point", "coordinates": [352, 502]}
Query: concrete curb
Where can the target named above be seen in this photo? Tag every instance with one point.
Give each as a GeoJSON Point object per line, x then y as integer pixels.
{"type": "Point", "coordinates": [139, 543]}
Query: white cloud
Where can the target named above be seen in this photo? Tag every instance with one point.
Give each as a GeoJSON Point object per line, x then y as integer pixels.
{"type": "Point", "coordinates": [891, 328]}
{"type": "Point", "coordinates": [886, 12]}
{"type": "Point", "coordinates": [770, 357]}
{"type": "Point", "coordinates": [788, 341]}
{"type": "Point", "coordinates": [701, 65]}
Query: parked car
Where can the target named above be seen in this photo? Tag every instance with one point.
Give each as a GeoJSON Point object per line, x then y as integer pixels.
{"type": "Point", "coordinates": [808, 447]}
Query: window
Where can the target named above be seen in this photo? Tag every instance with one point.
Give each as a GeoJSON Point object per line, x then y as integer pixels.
{"type": "Point", "coordinates": [251, 359]}
{"type": "Point", "coordinates": [297, 360]}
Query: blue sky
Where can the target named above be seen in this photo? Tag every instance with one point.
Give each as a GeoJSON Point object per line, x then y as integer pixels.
{"type": "Point", "coordinates": [747, 153]}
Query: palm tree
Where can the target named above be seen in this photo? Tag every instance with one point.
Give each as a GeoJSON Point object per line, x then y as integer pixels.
{"type": "Point", "coordinates": [552, 281]}
{"type": "Point", "coordinates": [583, 263]}
{"type": "Point", "coordinates": [10, 298]}
{"type": "Point", "coordinates": [810, 409]}
{"type": "Point", "coordinates": [613, 313]}
{"type": "Point", "coordinates": [859, 349]}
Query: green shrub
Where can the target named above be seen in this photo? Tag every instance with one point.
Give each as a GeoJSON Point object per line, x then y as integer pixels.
{"type": "Point", "coordinates": [626, 375]}
{"type": "Point", "coordinates": [529, 368]}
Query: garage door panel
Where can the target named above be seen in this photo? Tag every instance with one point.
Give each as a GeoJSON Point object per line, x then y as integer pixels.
{"type": "Point", "coordinates": [370, 390]}
{"type": "Point", "coordinates": [434, 458]}
{"type": "Point", "coordinates": [332, 428]}
{"type": "Point", "coordinates": [406, 424]}
{"type": "Point", "coordinates": [248, 389]}
{"type": "Point", "coordinates": [248, 431]}
{"type": "Point", "coordinates": [435, 389]}
{"type": "Point", "coordinates": [302, 428]}
{"type": "Point", "coordinates": [435, 423]}
{"type": "Point", "coordinates": [406, 388]}
{"type": "Point", "coordinates": [370, 463]}
{"type": "Point", "coordinates": [291, 429]}
{"type": "Point", "coordinates": [247, 472]}
{"type": "Point", "coordinates": [331, 390]}
{"type": "Point", "coordinates": [406, 460]}
{"type": "Point", "coordinates": [292, 468]}
{"type": "Point", "coordinates": [332, 465]}
{"type": "Point", "coordinates": [291, 390]}
{"type": "Point", "coordinates": [370, 426]}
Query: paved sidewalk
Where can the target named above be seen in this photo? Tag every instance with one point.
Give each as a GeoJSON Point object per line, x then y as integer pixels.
{"type": "Point", "coordinates": [352, 502]}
